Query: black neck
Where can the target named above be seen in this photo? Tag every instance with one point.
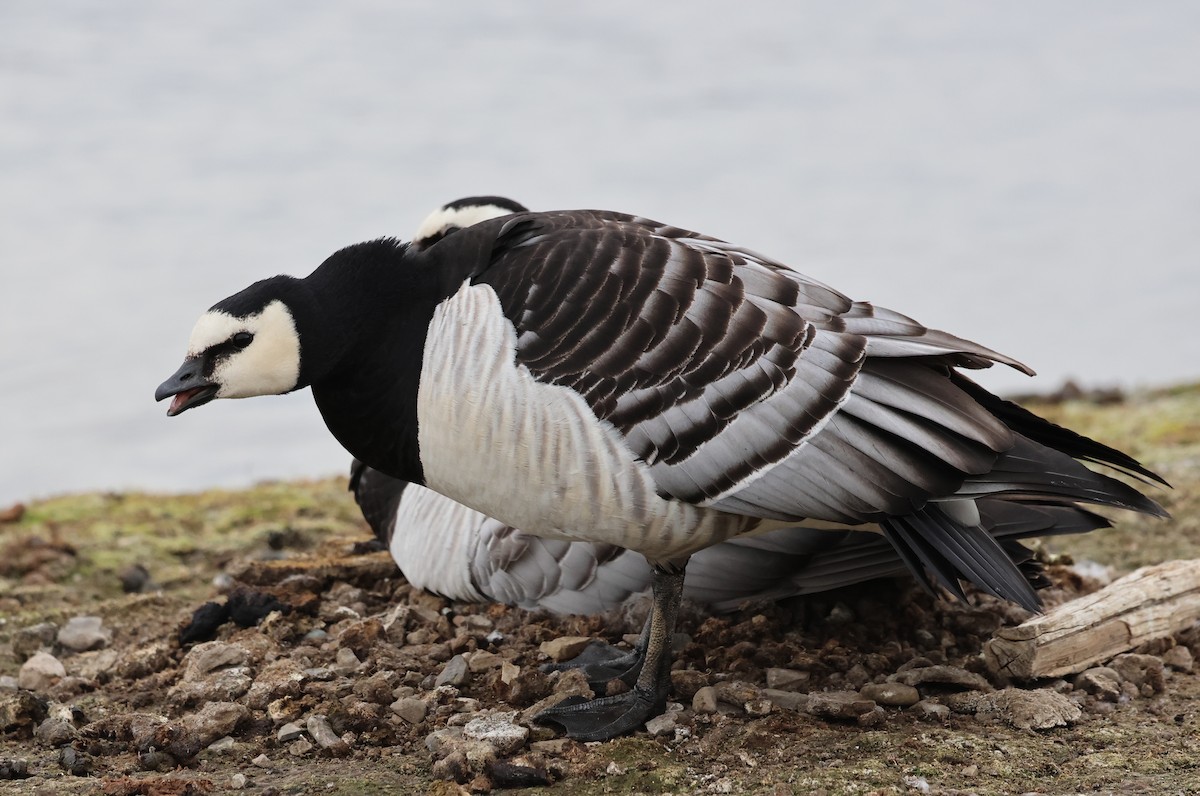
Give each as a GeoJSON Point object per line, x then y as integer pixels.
{"type": "Point", "coordinates": [375, 302]}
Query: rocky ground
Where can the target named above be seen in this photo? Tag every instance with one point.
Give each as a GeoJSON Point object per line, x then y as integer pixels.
{"type": "Point", "coordinates": [252, 640]}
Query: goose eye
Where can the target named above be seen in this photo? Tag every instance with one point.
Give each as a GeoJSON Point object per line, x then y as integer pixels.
{"type": "Point", "coordinates": [243, 339]}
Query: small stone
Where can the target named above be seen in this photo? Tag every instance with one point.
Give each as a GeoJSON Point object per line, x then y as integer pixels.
{"type": "Point", "coordinates": [553, 747]}
{"type": "Point", "coordinates": [686, 682]}
{"type": "Point", "coordinates": [134, 578]}
{"type": "Point", "coordinates": [892, 694]}
{"type": "Point", "coordinates": [498, 731]}
{"type": "Point", "coordinates": [928, 709]}
{"type": "Point", "coordinates": [482, 660]}
{"type": "Point", "coordinates": [222, 746]}
{"type": "Point", "coordinates": [8, 683]}
{"type": "Point", "coordinates": [300, 747]}
{"type": "Point", "coordinates": [98, 665]}
{"type": "Point", "coordinates": [942, 675]}
{"type": "Point", "coordinates": [786, 700]}
{"type": "Point", "coordinates": [29, 640]}
{"type": "Point", "coordinates": [41, 671]}
{"type": "Point", "coordinates": [237, 781]}
{"type": "Point", "coordinates": [757, 708]}
{"type": "Point", "coordinates": [410, 709]}
{"type": "Point", "coordinates": [662, 725]}
{"type": "Point", "coordinates": [210, 656]}
{"type": "Point", "coordinates": [1100, 681]}
{"type": "Point", "coordinates": [14, 768]}
{"type": "Point", "coordinates": [788, 679]}
{"type": "Point", "coordinates": [289, 732]}
{"type": "Point", "coordinates": [442, 742]}
{"type": "Point", "coordinates": [279, 678]}
{"type": "Point", "coordinates": [564, 648]}
{"type": "Point", "coordinates": [456, 672]}
{"type": "Point", "coordinates": [326, 738]}
{"type": "Point", "coordinates": [509, 672]}
{"type": "Point", "coordinates": [21, 709]}
{"type": "Point", "coordinates": [78, 764]}
{"type": "Point", "coordinates": [1144, 671]}
{"type": "Point", "coordinates": [215, 720]}
{"type": "Point", "coordinates": [346, 661]}
{"type": "Point", "coordinates": [262, 761]}
{"type": "Point", "coordinates": [875, 718]}
{"type": "Point", "coordinates": [838, 704]}
{"type": "Point", "coordinates": [55, 731]}
{"type": "Point", "coordinates": [1180, 659]}
{"type": "Point", "coordinates": [705, 700]}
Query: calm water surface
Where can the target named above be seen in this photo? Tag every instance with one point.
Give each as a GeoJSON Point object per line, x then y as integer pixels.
{"type": "Point", "coordinates": [1029, 179]}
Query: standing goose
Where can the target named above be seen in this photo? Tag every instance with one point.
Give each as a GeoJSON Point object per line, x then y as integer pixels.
{"type": "Point", "coordinates": [590, 375]}
{"type": "Point", "coordinates": [455, 551]}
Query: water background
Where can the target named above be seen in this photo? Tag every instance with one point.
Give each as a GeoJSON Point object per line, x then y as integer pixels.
{"type": "Point", "coordinates": [1023, 174]}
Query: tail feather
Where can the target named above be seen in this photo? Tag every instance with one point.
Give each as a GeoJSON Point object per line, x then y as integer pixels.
{"type": "Point", "coordinates": [939, 549]}
{"type": "Point", "coordinates": [1052, 435]}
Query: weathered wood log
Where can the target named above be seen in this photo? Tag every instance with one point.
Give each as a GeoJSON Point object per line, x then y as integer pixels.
{"type": "Point", "coordinates": [1152, 602]}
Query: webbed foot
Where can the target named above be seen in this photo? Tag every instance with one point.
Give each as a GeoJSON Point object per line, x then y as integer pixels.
{"type": "Point", "coordinates": [604, 718]}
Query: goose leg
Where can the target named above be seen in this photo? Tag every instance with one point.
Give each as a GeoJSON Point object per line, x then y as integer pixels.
{"type": "Point", "coordinates": [608, 717]}
{"type": "Point", "coordinates": [601, 662]}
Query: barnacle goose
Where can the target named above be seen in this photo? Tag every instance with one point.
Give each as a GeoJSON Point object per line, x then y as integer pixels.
{"type": "Point", "coordinates": [591, 375]}
{"type": "Point", "coordinates": [455, 551]}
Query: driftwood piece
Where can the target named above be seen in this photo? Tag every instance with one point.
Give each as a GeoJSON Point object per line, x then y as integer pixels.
{"type": "Point", "coordinates": [1152, 602]}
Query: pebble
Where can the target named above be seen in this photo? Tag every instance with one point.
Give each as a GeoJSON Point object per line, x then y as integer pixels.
{"type": "Point", "coordinates": [1179, 658]}
{"type": "Point", "coordinates": [1101, 681]}
{"type": "Point", "coordinates": [300, 747]}
{"type": "Point", "coordinates": [222, 745]}
{"type": "Point", "coordinates": [482, 660]}
{"type": "Point", "coordinates": [788, 679]}
{"type": "Point", "coordinates": [41, 671]}
{"type": "Point", "coordinates": [209, 656]}
{"type": "Point", "coordinates": [262, 761]}
{"type": "Point", "coordinates": [8, 683]}
{"type": "Point", "coordinates": [82, 633]}
{"type": "Point", "coordinates": [498, 731]}
{"type": "Point", "coordinates": [289, 732]}
{"type": "Point", "coordinates": [346, 661]}
{"type": "Point", "coordinates": [134, 578]}
{"type": "Point", "coordinates": [705, 700]}
{"type": "Point", "coordinates": [279, 678]}
{"type": "Point", "coordinates": [29, 640]}
{"type": "Point", "coordinates": [838, 704]}
{"type": "Point", "coordinates": [928, 709]}
{"type": "Point", "coordinates": [14, 768]}
{"type": "Point", "coordinates": [786, 700]}
{"type": "Point", "coordinates": [238, 781]}
{"type": "Point", "coordinates": [455, 673]}
{"type": "Point", "coordinates": [564, 648]}
{"type": "Point", "coordinates": [318, 727]}
{"type": "Point", "coordinates": [892, 694]}
{"type": "Point", "coordinates": [410, 709]}
{"type": "Point", "coordinates": [55, 731]}
{"type": "Point", "coordinates": [942, 675]}
{"type": "Point", "coordinates": [663, 724]}
{"type": "Point", "coordinates": [1144, 671]}
{"type": "Point", "coordinates": [441, 742]}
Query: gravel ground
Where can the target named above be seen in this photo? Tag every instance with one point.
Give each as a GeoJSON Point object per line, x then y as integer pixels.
{"type": "Point", "coordinates": [252, 641]}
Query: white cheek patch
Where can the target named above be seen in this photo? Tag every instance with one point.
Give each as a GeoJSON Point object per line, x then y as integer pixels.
{"type": "Point", "coordinates": [270, 365]}
{"type": "Point", "coordinates": [443, 218]}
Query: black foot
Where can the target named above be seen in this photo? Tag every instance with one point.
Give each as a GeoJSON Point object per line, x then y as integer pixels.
{"type": "Point", "coordinates": [601, 719]}
{"type": "Point", "coordinates": [602, 662]}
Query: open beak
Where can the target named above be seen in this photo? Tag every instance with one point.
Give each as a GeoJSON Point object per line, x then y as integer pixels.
{"type": "Point", "coordinates": [187, 386]}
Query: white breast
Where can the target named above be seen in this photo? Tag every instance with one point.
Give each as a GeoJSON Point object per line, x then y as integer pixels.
{"type": "Point", "coordinates": [533, 455]}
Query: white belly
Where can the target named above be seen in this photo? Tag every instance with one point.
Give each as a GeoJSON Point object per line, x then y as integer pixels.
{"type": "Point", "coordinates": [534, 455]}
